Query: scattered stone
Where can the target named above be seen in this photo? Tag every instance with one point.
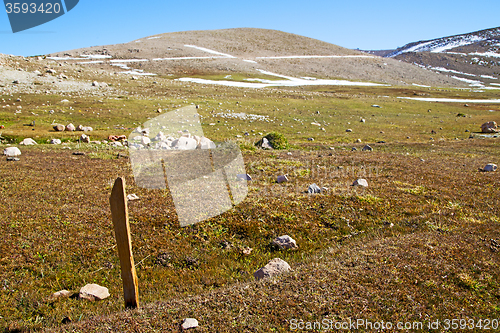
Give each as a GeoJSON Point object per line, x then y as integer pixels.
{"type": "Point", "coordinates": [348, 130]}
{"type": "Point", "coordinates": [285, 242]}
{"type": "Point", "coordinates": [244, 176]}
{"type": "Point", "coordinates": [55, 141]}
{"type": "Point", "coordinates": [85, 138]}
{"type": "Point", "coordinates": [59, 128]}
{"type": "Point", "coordinates": [282, 179]}
{"type": "Point", "coordinates": [66, 320]}
{"type": "Point", "coordinates": [70, 127]}
{"type": "Point", "coordinates": [367, 148]}
{"type": "Point", "coordinates": [116, 137]}
{"type": "Point", "coordinates": [489, 127]}
{"type": "Point", "coordinates": [51, 71]}
{"type": "Point", "coordinates": [376, 106]}
{"type": "Point", "coordinates": [275, 267]}
{"type": "Point", "coordinates": [289, 154]}
{"type": "Point", "coordinates": [310, 139]}
{"type": "Point", "coordinates": [246, 251]}
{"type": "Point", "coordinates": [15, 82]}
{"type": "Point", "coordinates": [132, 197]}
{"type": "Point", "coordinates": [265, 144]}
{"type": "Point", "coordinates": [11, 151]}
{"type": "Point", "coordinates": [28, 142]}
{"type": "Point", "coordinates": [360, 182]}
{"type": "Point", "coordinates": [490, 167]}
{"type": "Point", "coordinates": [93, 292]}
{"type": "Point", "coordinates": [79, 153]}
{"type": "Point", "coordinates": [380, 141]}
{"type": "Point", "coordinates": [354, 149]}
{"type": "Point", "coordinates": [13, 159]}
{"type": "Point", "coordinates": [313, 188]}
{"type": "Point", "coordinates": [79, 128]}
{"type": "Point", "coordinates": [95, 84]}
{"type": "Point", "coordinates": [60, 294]}
{"type": "Point", "coordinates": [189, 323]}
{"type": "Point", "coordinates": [358, 141]}
{"type": "Point", "coordinates": [362, 120]}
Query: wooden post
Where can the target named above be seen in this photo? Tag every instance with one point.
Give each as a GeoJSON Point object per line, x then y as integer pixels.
{"type": "Point", "coordinates": [119, 212]}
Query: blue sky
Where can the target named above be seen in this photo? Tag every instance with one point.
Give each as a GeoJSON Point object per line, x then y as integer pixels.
{"type": "Point", "coordinates": [354, 24]}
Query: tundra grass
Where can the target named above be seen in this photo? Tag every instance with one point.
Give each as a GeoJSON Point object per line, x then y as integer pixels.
{"type": "Point", "coordinates": [57, 229]}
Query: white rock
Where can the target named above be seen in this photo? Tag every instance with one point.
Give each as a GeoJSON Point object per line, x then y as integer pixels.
{"type": "Point", "coordinates": [275, 267]}
{"type": "Point", "coordinates": [94, 292]}
{"type": "Point", "coordinates": [60, 294]}
{"type": "Point", "coordinates": [360, 182]}
{"type": "Point", "coordinates": [85, 138]}
{"type": "Point", "coordinates": [313, 188]}
{"type": "Point", "coordinates": [28, 142]}
{"type": "Point", "coordinates": [266, 144]}
{"type": "Point", "coordinates": [184, 143]}
{"type": "Point", "coordinates": [206, 143]}
{"type": "Point", "coordinates": [70, 127]}
{"type": "Point", "coordinates": [285, 242]}
{"type": "Point", "coordinates": [11, 151]}
{"type": "Point", "coordinates": [490, 167]}
{"type": "Point", "coordinates": [145, 140]}
{"type": "Point", "coordinates": [132, 197]}
{"type": "Point", "coordinates": [79, 128]}
{"type": "Point", "coordinates": [55, 141]}
{"type": "Point", "coordinates": [189, 323]}
{"type": "Point", "coordinates": [367, 148]}
{"type": "Point", "coordinates": [87, 129]}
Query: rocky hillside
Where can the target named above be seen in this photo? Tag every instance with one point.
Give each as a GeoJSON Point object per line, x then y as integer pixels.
{"type": "Point", "coordinates": [473, 58]}
{"type": "Point", "coordinates": [247, 50]}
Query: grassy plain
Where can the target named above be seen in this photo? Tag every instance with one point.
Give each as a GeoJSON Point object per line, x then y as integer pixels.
{"type": "Point", "coordinates": [419, 244]}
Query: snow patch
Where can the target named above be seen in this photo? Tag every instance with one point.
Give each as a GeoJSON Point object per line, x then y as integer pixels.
{"type": "Point", "coordinates": [128, 60]}
{"type": "Point", "coordinates": [289, 82]}
{"type": "Point", "coordinates": [486, 54]}
{"type": "Point", "coordinates": [472, 83]}
{"type": "Point", "coordinates": [154, 37]}
{"type": "Point", "coordinates": [451, 100]}
{"type": "Point", "coordinates": [251, 61]}
{"type": "Point", "coordinates": [137, 72]}
{"type": "Point", "coordinates": [95, 56]}
{"type": "Point", "coordinates": [210, 51]}
{"type": "Point", "coordinates": [420, 85]}
{"type": "Point", "coordinates": [186, 58]}
{"type": "Point", "coordinates": [316, 57]}
{"type": "Point", "coordinates": [442, 69]}
{"type": "Point", "coordinates": [489, 77]}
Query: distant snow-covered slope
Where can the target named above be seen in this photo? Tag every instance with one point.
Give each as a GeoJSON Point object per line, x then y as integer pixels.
{"type": "Point", "coordinates": [489, 37]}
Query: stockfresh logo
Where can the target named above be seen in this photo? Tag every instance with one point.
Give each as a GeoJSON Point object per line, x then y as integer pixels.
{"type": "Point", "coordinates": [32, 13]}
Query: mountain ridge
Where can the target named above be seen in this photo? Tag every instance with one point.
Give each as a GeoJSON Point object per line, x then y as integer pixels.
{"type": "Point", "coordinates": [248, 50]}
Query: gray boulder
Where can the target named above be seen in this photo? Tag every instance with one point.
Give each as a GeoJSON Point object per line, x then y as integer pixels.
{"type": "Point", "coordinates": [490, 167]}
{"type": "Point", "coordinates": [285, 242]}
{"type": "Point", "coordinates": [275, 267]}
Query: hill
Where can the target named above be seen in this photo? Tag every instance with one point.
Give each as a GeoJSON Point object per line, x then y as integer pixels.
{"type": "Point", "coordinates": [247, 50]}
{"type": "Point", "coordinates": [473, 57]}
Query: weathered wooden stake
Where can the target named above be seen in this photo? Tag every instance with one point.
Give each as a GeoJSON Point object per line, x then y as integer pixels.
{"type": "Point", "coordinates": [119, 212]}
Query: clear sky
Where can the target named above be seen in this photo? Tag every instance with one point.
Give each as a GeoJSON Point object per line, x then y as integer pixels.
{"type": "Point", "coordinates": [364, 24]}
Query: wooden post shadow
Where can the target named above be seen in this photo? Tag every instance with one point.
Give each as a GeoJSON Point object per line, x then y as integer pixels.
{"type": "Point", "coordinates": [119, 212]}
